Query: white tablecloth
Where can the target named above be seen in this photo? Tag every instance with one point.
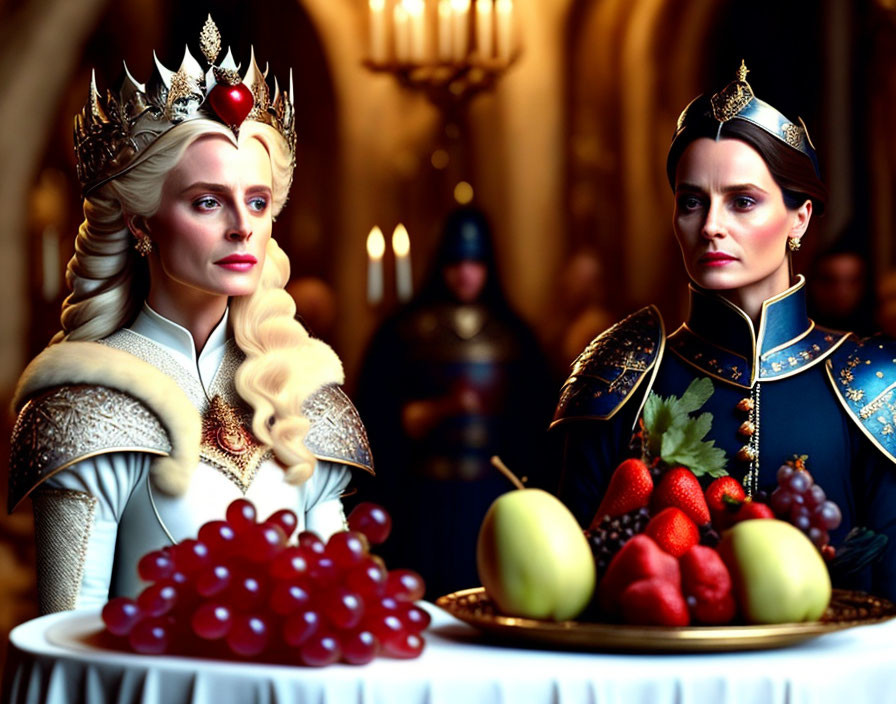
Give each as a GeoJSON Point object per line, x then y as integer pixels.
{"type": "Point", "coordinates": [48, 662]}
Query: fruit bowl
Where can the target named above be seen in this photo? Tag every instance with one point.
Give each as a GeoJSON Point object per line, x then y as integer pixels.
{"type": "Point", "coordinates": [847, 610]}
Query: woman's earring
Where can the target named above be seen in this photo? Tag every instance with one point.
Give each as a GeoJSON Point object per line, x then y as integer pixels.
{"type": "Point", "coordinates": [143, 246]}
{"type": "Point", "coordinates": [793, 244]}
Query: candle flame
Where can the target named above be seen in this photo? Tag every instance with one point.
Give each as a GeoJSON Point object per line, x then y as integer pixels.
{"type": "Point", "coordinates": [401, 243]}
{"type": "Point", "coordinates": [460, 6]}
{"type": "Point", "coordinates": [413, 7]}
{"type": "Point", "coordinates": [376, 5]}
{"type": "Point", "coordinates": [376, 243]}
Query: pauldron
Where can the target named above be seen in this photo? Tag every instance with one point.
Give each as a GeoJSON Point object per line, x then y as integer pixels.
{"type": "Point", "coordinates": [337, 433]}
{"type": "Point", "coordinates": [863, 374]}
{"type": "Point", "coordinates": [68, 424]}
{"type": "Point", "coordinates": [612, 368]}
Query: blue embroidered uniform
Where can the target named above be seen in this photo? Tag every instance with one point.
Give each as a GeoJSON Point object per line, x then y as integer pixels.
{"type": "Point", "coordinates": [788, 388]}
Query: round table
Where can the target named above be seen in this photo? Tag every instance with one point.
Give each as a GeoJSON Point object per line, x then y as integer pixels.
{"type": "Point", "coordinates": [50, 662]}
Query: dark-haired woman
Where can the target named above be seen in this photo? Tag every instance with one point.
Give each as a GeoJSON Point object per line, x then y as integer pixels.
{"type": "Point", "coordinates": [746, 185]}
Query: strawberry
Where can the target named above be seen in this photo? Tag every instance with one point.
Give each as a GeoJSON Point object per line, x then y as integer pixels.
{"type": "Point", "coordinates": [752, 509]}
{"type": "Point", "coordinates": [654, 602]}
{"type": "Point", "coordinates": [630, 488]}
{"type": "Point", "coordinates": [707, 587]}
{"type": "Point", "coordinates": [679, 487]}
{"type": "Point", "coordinates": [639, 558]}
{"type": "Point", "coordinates": [722, 509]}
{"type": "Point", "coordinates": [673, 531]}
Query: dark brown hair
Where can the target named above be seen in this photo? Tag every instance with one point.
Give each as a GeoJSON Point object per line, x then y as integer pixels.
{"type": "Point", "coordinates": [792, 170]}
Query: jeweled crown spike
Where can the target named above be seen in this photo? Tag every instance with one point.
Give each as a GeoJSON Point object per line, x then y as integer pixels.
{"type": "Point", "coordinates": [112, 132]}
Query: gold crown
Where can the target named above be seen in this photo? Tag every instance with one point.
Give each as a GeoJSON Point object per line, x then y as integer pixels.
{"type": "Point", "coordinates": [111, 134]}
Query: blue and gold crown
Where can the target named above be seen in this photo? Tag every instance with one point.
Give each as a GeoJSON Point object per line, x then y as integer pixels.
{"type": "Point", "coordinates": [113, 132]}
{"type": "Point", "coordinates": [736, 101]}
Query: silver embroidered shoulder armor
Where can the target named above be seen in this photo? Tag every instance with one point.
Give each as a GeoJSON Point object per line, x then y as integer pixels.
{"type": "Point", "coordinates": [337, 433]}
{"type": "Point", "coordinates": [863, 374]}
{"type": "Point", "coordinates": [612, 368]}
{"type": "Point", "coordinates": [67, 424]}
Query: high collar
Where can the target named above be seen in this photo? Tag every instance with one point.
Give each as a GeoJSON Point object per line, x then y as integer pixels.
{"type": "Point", "coordinates": [720, 339]}
{"type": "Point", "coordinates": [179, 341]}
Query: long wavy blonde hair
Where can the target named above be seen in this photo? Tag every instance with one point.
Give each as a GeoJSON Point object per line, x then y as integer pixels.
{"type": "Point", "coordinates": [109, 282]}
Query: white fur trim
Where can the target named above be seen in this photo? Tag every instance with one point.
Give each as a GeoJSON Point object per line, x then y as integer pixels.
{"type": "Point", "coordinates": [68, 363]}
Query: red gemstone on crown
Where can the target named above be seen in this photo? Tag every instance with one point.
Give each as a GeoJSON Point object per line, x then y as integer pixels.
{"type": "Point", "coordinates": [231, 103]}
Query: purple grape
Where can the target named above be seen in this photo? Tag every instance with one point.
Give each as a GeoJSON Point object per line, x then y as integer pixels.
{"type": "Point", "coordinates": [799, 482]}
{"type": "Point", "coordinates": [781, 501]}
{"type": "Point", "coordinates": [818, 536]}
{"type": "Point", "coordinates": [785, 471]}
{"type": "Point", "coordinates": [815, 496]}
{"type": "Point", "coordinates": [828, 515]}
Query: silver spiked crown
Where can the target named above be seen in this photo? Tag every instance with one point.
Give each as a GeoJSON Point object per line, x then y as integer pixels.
{"type": "Point", "coordinates": [112, 133]}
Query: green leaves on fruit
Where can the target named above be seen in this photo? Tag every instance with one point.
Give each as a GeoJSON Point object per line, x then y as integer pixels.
{"type": "Point", "coordinates": [676, 437]}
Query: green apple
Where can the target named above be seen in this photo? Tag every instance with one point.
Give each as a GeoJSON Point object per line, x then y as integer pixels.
{"type": "Point", "coordinates": [533, 558]}
{"type": "Point", "coordinates": [779, 576]}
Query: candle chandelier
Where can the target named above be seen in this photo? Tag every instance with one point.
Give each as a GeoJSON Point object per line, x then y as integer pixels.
{"type": "Point", "coordinates": [451, 49]}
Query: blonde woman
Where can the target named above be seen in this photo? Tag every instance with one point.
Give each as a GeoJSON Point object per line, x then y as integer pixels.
{"type": "Point", "coordinates": [180, 379]}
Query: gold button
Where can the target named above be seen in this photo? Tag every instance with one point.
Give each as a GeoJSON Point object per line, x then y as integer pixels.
{"type": "Point", "coordinates": [746, 454]}
{"type": "Point", "coordinates": [746, 429]}
{"type": "Point", "coordinates": [745, 404]}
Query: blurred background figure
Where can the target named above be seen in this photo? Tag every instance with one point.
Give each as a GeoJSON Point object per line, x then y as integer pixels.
{"type": "Point", "coordinates": [841, 288]}
{"type": "Point", "coordinates": [579, 312]}
{"type": "Point", "coordinates": [451, 379]}
{"type": "Point", "coordinates": [886, 304]}
{"type": "Point", "coordinates": [315, 305]}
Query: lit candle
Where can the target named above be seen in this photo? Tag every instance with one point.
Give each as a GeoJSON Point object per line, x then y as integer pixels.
{"type": "Point", "coordinates": [444, 26]}
{"type": "Point", "coordinates": [484, 17]}
{"type": "Point", "coordinates": [402, 33]}
{"type": "Point", "coordinates": [504, 10]}
{"type": "Point", "coordinates": [416, 19]}
{"type": "Point", "coordinates": [376, 247]}
{"type": "Point", "coordinates": [401, 247]}
{"type": "Point", "coordinates": [460, 31]}
{"type": "Point", "coordinates": [377, 18]}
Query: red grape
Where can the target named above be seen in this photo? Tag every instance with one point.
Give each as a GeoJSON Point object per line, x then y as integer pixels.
{"type": "Point", "coordinates": [155, 565]}
{"type": "Point", "coordinates": [219, 537]}
{"type": "Point", "coordinates": [150, 636]}
{"type": "Point", "coordinates": [262, 542]}
{"type": "Point", "coordinates": [405, 585]}
{"type": "Point", "coordinates": [211, 620]}
{"type": "Point", "coordinates": [359, 647]}
{"type": "Point", "coordinates": [158, 598]}
{"type": "Point", "coordinates": [300, 626]}
{"type": "Point", "coordinates": [241, 514]}
{"type": "Point", "coordinates": [323, 571]}
{"type": "Point", "coordinates": [287, 597]}
{"type": "Point", "coordinates": [213, 580]}
{"type": "Point", "coordinates": [347, 548]}
{"type": "Point", "coordinates": [407, 645]}
{"type": "Point", "coordinates": [190, 556]}
{"type": "Point", "coordinates": [246, 592]}
{"type": "Point", "coordinates": [342, 608]}
{"type": "Point", "coordinates": [311, 542]}
{"type": "Point", "coordinates": [120, 614]}
{"type": "Point", "coordinates": [367, 579]}
{"type": "Point", "coordinates": [372, 520]}
{"type": "Point", "coordinates": [284, 518]}
{"type": "Point", "coordinates": [248, 635]}
{"type": "Point", "coordinates": [291, 564]}
{"type": "Point", "coordinates": [320, 650]}
{"type": "Point", "coordinates": [385, 626]}
{"type": "Point", "coordinates": [414, 618]}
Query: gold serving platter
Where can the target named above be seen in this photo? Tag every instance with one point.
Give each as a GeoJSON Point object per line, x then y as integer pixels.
{"type": "Point", "coordinates": [847, 610]}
